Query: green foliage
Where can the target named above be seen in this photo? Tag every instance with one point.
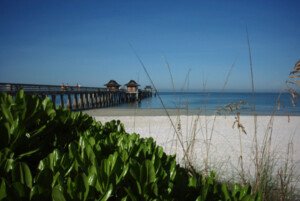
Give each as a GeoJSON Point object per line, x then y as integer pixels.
{"type": "Point", "coordinates": [55, 154]}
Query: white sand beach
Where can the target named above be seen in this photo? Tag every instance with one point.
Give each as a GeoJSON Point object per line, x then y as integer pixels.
{"type": "Point", "coordinates": [225, 145]}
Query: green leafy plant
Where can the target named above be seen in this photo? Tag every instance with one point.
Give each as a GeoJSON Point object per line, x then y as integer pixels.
{"type": "Point", "coordinates": [55, 154]}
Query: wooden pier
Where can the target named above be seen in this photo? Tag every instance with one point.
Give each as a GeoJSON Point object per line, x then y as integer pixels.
{"type": "Point", "coordinates": [78, 98]}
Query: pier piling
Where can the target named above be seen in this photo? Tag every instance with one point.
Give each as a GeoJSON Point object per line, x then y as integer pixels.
{"type": "Point", "coordinates": [78, 98]}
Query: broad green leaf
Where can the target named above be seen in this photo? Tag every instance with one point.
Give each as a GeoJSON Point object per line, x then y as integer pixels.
{"type": "Point", "coordinates": [55, 178]}
{"type": "Point", "coordinates": [81, 186]}
{"type": "Point", "coordinates": [199, 198]}
{"type": "Point", "coordinates": [259, 196]}
{"type": "Point", "coordinates": [92, 179]}
{"type": "Point", "coordinates": [193, 182]}
{"type": "Point", "coordinates": [154, 188]}
{"type": "Point", "coordinates": [134, 170]}
{"type": "Point", "coordinates": [131, 194]}
{"type": "Point", "coordinates": [71, 188]}
{"type": "Point", "coordinates": [56, 157]}
{"type": "Point", "coordinates": [225, 191]}
{"type": "Point", "coordinates": [57, 195]}
{"type": "Point", "coordinates": [7, 114]}
{"type": "Point", "coordinates": [92, 141]}
{"type": "Point", "coordinates": [236, 189]}
{"type": "Point", "coordinates": [48, 107]}
{"type": "Point", "coordinates": [173, 170]}
{"type": "Point", "coordinates": [160, 151]}
{"type": "Point", "coordinates": [123, 174]}
{"type": "Point", "coordinates": [147, 171]}
{"type": "Point", "coordinates": [45, 178]}
{"type": "Point", "coordinates": [70, 169]}
{"type": "Point", "coordinates": [108, 193]}
{"type": "Point", "coordinates": [21, 173]}
{"type": "Point", "coordinates": [248, 198]}
{"type": "Point", "coordinates": [21, 189]}
{"type": "Point", "coordinates": [20, 95]}
{"type": "Point", "coordinates": [40, 193]}
{"type": "Point", "coordinates": [3, 193]}
{"type": "Point", "coordinates": [244, 191]}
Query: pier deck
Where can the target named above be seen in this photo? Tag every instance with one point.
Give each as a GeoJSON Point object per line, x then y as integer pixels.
{"type": "Point", "coordinates": [78, 98]}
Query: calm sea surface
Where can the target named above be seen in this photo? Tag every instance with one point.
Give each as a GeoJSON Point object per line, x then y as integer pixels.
{"type": "Point", "coordinates": [211, 101]}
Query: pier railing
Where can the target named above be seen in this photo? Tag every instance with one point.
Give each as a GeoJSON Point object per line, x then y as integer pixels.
{"type": "Point", "coordinates": [81, 97]}
{"type": "Point", "coordinates": [12, 87]}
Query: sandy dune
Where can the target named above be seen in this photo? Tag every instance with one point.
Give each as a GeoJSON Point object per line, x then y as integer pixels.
{"type": "Point", "coordinates": [225, 145]}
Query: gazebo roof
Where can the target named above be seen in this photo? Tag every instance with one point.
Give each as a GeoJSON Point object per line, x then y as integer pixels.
{"type": "Point", "coordinates": [112, 83]}
{"type": "Point", "coordinates": [148, 87]}
{"type": "Point", "coordinates": [132, 83]}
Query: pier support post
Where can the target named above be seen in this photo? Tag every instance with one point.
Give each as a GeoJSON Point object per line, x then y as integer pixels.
{"type": "Point", "coordinates": [86, 104]}
{"type": "Point", "coordinates": [101, 100]}
{"type": "Point", "coordinates": [53, 97]}
{"type": "Point", "coordinates": [104, 100]}
{"type": "Point", "coordinates": [69, 105]}
{"type": "Point", "coordinates": [98, 99]}
{"type": "Point", "coordinates": [80, 104]}
{"type": "Point", "coordinates": [75, 102]}
{"type": "Point", "coordinates": [62, 100]}
{"type": "Point", "coordinates": [92, 100]}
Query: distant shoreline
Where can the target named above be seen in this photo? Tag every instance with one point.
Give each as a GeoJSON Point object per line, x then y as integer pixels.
{"type": "Point", "coordinates": [171, 112]}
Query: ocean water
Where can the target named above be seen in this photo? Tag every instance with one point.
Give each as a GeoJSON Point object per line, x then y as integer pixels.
{"type": "Point", "coordinates": [209, 102]}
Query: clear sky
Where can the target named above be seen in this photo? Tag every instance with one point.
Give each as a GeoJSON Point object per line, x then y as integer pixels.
{"type": "Point", "coordinates": [87, 42]}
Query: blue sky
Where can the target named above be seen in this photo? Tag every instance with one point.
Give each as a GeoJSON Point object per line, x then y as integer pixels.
{"type": "Point", "coordinates": [87, 42]}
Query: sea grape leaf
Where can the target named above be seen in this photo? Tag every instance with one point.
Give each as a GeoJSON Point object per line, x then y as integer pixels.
{"type": "Point", "coordinates": [173, 170]}
{"type": "Point", "coordinates": [193, 182]}
{"type": "Point", "coordinates": [244, 191]}
{"type": "Point", "coordinates": [236, 189]}
{"type": "Point", "coordinates": [21, 173]}
{"type": "Point", "coordinates": [21, 189]}
{"type": "Point", "coordinates": [225, 191]}
{"type": "Point", "coordinates": [57, 195]}
{"type": "Point", "coordinates": [45, 178]}
{"type": "Point", "coordinates": [108, 193]}
{"type": "Point", "coordinates": [131, 194]}
{"type": "Point", "coordinates": [259, 196]}
{"type": "Point", "coordinates": [92, 179]}
{"type": "Point", "coordinates": [3, 193]}
{"type": "Point", "coordinates": [148, 165]}
{"type": "Point", "coordinates": [82, 186]}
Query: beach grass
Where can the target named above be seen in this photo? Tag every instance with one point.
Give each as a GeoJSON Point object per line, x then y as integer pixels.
{"type": "Point", "coordinates": [253, 155]}
{"type": "Point", "coordinates": [275, 180]}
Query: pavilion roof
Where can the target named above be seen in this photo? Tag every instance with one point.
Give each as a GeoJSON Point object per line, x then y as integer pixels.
{"type": "Point", "coordinates": [112, 83]}
{"type": "Point", "coordinates": [132, 83]}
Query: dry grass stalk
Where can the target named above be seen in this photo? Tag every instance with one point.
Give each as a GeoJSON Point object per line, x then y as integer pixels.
{"type": "Point", "coordinates": [262, 155]}
{"type": "Point", "coordinates": [231, 107]}
{"type": "Point", "coordinates": [240, 126]}
{"type": "Point", "coordinates": [292, 84]}
{"type": "Point", "coordinates": [264, 165]}
{"type": "Point", "coordinates": [238, 123]}
{"type": "Point", "coordinates": [286, 185]}
{"type": "Point", "coordinates": [188, 161]}
{"type": "Point", "coordinates": [255, 116]}
{"type": "Point", "coordinates": [208, 140]}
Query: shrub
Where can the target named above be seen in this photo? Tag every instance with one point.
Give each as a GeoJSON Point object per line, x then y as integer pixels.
{"type": "Point", "coordinates": [55, 154]}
